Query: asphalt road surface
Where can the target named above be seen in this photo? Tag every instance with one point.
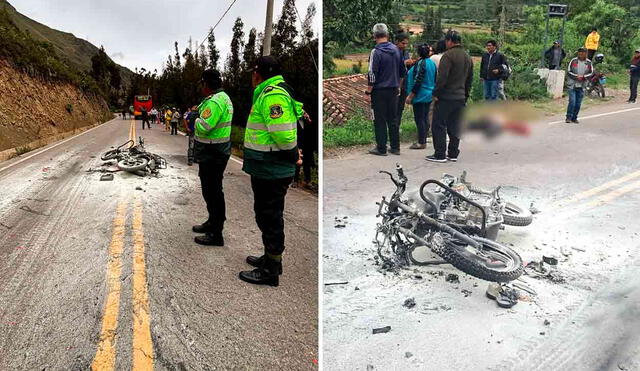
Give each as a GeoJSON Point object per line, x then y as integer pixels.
{"type": "Point", "coordinates": [583, 178]}
{"type": "Point", "coordinates": [99, 273]}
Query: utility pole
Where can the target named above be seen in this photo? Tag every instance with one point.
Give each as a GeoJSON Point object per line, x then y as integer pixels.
{"type": "Point", "coordinates": [268, 27]}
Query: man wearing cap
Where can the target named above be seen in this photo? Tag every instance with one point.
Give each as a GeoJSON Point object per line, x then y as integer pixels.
{"type": "Point", "coordinates": [386, 71]}
{"type": "Point", "coordinates": [634, 75]}
{"type": "Point", "coordinates": [270, 157]}
{"type": "Point", "coordinates": [578, 72]}
{"type": "Point", "coordinates": [554, 56]}
{"type": "Point", "coordinates": [212, 149]}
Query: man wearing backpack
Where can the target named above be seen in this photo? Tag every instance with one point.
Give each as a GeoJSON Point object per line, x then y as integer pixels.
{"type": "Point", "coordinates": [492, 70]}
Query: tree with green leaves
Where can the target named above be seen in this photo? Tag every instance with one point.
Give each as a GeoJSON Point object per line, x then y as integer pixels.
{"type": "Point", "coordinates": [306, 33]}
{"type": "Point", "coordinates": [285, 31]}
{"type": "Point", "coordinates": [214, 54]}
{"type": "Point", "coordinates": [250, 55]}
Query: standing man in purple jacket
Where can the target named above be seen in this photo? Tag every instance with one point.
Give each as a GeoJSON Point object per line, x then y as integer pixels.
{"type": "Point", "coordinates": [386, 70]}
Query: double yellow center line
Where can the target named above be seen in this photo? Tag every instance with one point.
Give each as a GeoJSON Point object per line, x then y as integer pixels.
{"type": "Point", "coordinates": [605, 193]}
{"type": "Point", "coordinates": [132, 131]}
{"type": "Point", "coordinates": [142, 345]}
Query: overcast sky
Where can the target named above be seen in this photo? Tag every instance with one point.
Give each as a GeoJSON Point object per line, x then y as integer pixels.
{"type": "Point", "coordinates": [141, 33]}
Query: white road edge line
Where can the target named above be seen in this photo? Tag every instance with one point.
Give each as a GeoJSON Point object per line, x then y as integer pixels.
{"type": "Point", "coordinates": [53, 146]}
{"type": "Point", "coordinates": [598, 115]}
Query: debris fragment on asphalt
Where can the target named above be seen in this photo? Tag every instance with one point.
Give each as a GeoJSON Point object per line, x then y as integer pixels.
{"type": "Point", "coordinates": [340, 222]}
{"type": "Point", "coordinates": [453, 278]}
{"type": "Point", "coordinates": [381, 330]}
{"type": "Point", "coordinates": [138, 188]}
{"type": "Point", "coordinates": [409, 303]}
{"type": "Point", "coordinates": [336, 283]}
{"type": "Point", "coordinates": [106, 177]}
{"type": "Point", "coordinates": [546, 322]}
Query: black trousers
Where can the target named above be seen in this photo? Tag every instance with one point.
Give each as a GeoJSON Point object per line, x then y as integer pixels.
{"type": "Point", "coordinates": [385, 104]}
{"type": "Point", "coordinates": [633, 85]}
{"type": "Point", "coordinates": [268, 204]}
{"type": "Point", "coordinates": [421, 115]}
{"type": "Point", "coordinates": [211, 174]}
{"type": "Point", "coordinates": [447, 116]}
{"type": "Point", "coordinates": [146, 119]}
{"type": "Point", "coordinates": [174, 128]}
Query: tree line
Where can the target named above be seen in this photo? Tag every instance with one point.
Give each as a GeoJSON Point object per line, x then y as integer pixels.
{"type": "Point", "coordinates": [178, 84]}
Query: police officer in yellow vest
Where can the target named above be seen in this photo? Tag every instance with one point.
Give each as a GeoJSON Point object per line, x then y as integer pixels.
{"type": "Point", "coordinates": [212, 149]}
{"type": "Point", "coordinates": [270, 157]}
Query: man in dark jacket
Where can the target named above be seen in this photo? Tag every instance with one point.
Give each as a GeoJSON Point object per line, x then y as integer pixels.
{"type": "Point", "coordinates": [386, 70]}
{"type": "Point", "coordinates": [491, 70]}
{"type": "Point", "coordinates": [402, 42]}
{"type": "Point", "coordinates": [554, 56]}
{"type": "Point", "coordinates": [453, 85]}
{"type": "Point", "coordinates": [634, 74]}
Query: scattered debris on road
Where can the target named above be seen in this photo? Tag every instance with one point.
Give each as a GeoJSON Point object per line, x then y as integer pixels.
{"type": "Point", "coordinates": [409, 303]}
{"type": "Point", "coordinates": [340, 222]}
{"type": "Point", "coordinates": [381, 330]}
{"type": "Point", "coordinates": [453, 278]}
{"type": "Point", "coordinates": [336, 283]}
{"type": "Point", "coordinates": [106, 177]}
{"type": "Point", "coordinates": [132, 158]}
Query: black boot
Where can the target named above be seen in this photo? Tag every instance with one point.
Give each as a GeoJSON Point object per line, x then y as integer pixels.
{"type": "Point", "coordinates": [265, 275]}
{"type": "Point", "coordinates": [201, 228]}
{"type": "Point", "coordinates": [210, 239]}
{"type": "Point", "coordinates": [258, 261]}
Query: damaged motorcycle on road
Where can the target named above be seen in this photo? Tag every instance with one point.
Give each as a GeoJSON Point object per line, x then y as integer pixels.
{"type": "Point", "coordinates": [453, 219]}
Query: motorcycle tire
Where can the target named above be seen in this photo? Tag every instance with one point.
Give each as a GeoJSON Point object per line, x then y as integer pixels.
{"type": "Point", "coordinates": [133, 164]}
{"type": "Point", "coordinates": [457, 254]}
{"type": "Point", "coordinates": [517, 216]}
{"type": "Point", "coordinates": [601, 92]}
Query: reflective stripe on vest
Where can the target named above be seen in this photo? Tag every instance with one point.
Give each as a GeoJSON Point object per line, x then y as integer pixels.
{"type": "Point", "coordinates": [212, 141]}
{"type": "Point", "coordinates": [269, 148]}
{"type": "Point", "coordinates": [273, 127]}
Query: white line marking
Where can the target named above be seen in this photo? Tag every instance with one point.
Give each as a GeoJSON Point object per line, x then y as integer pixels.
{"type": "Point", "coordinates": [53, 146]}
{"type": "Point", "coordinates": [598, 115]}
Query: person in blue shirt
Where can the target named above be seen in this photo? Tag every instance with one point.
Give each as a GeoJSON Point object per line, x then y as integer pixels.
{"type": "Point", "coordinates": [421, 79]}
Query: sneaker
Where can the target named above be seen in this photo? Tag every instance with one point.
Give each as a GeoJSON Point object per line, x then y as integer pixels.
{"type": "Point", "coordinates": [632, 101]}
{"type": "Point", "coordinates": [375, 151]}
{"type": "Point", "coordinates": [568, 121]}
{"type": "Point", "coordinates": [433, 158]}
{"type": "Point", "coordinates": [395, 152]}
{"type": "Point", "coordinates": [452, 159]}
{"type": "Point", "coordinates": [418, 146]}
{"type": "Point", "coordinates": [575, 121]}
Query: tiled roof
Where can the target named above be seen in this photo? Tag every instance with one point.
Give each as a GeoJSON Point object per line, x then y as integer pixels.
{"type": "Point", "coordinates": [343, 97]}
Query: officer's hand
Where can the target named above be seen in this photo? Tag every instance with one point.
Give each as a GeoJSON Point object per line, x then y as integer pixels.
{"type": "Point", "coordinates": [299, 162]}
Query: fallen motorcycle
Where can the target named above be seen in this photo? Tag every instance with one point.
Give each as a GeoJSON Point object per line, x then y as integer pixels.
{"type": "Point", "coordinates": [135, 159]}
{"type": "Point", "coordinates": [452, 219]}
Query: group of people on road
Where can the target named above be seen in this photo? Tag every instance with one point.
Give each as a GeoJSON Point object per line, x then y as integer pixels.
{"type": "Point", "coordinates": [439, 76]}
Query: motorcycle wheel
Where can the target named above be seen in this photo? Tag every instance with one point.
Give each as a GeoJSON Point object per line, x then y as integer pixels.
{"type": "Point", "coordinates": [495, 263]}
{"type": "Point", "coordinates": [516, 216]}
{"type": "Point", "coordinates": [132, 164]}
{"type": "Point", "coordinates": [601, 92]}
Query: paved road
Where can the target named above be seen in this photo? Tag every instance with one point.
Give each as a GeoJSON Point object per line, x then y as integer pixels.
{"type": "Point", "coordinates": [584, 178]}
{"type": "Point", "coordinates": [99, 272]}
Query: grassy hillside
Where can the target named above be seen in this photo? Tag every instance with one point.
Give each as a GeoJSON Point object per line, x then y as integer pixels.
{"type": "Point", "coordinates": [77, 51]}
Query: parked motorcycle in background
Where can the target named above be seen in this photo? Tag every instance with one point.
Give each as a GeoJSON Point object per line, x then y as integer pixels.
{"type": "Point", "coordinates": [595, 84]}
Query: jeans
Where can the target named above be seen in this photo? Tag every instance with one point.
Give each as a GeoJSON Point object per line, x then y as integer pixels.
{"type": "Point", "coordinates": [575, 101]}
{"type": "Point", "coordinates": [211, 174]}
{"type": "Point", "coordinates": [268, 205]}
{"type": "Point", "coordinates": [385, 103]}
{"type": "Point", "coordinates": [633, 85]}
{"type": "Point", "coordinates": [421, 115]}
{"type": "Point", "coordinates": [447, 115]}
{"type": "Point", "coordinates": [491, 89]}
{"type": "Point", "coordinates": [190, 148]}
